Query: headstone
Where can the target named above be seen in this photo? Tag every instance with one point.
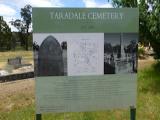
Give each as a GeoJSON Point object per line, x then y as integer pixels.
{"type": "Point", "coordinates": [50, 60]}
{"type": "Point", "coordinates": [15, 61]}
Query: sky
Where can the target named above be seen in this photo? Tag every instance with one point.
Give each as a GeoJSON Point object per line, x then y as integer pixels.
{"type": "Point", "coordinates": [114, 39]}
{"type": "Point", "coordinates": [10, 9]}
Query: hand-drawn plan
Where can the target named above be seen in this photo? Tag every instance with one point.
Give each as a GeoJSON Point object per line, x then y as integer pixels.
{"type": "Point", "coordinates": [85, 55]}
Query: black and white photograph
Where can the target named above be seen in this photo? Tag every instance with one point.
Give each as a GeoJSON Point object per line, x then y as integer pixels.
{"type": "Point", "coordinates": [50, 57]}
{"type": "Point", "coordinates": [74, 54]}
{"type": "Point", "coordinates": [68, 54]}
{"type": "Point", "coordinates": [120, 53]}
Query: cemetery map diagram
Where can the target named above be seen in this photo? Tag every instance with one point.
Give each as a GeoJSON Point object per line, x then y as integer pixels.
{"type": "Point", "coordinates": [86, 54]}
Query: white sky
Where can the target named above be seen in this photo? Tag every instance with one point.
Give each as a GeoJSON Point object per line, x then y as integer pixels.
{"type": "Point", "coordinates": [10, 9]}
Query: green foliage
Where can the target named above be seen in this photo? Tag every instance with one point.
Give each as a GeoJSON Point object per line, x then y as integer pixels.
{"type": "Point", "coordinates": [150, 79]}
{"type": "Point", "coordinates": [149, 21]}
{"type": "Point", "coordinates": [143, 22]}
{"type": "Point", "coordinates": [125, 3]}
{"type": "Point", "coordinates": [152, 27]}
{"type": "Point", "coordinates": [157, 67]}
{"type": "Point", "coordinates": [5, 36]}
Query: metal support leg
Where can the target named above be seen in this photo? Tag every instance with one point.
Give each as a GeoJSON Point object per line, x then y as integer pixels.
{"type": "Point", "coordinates": [38, 116]}
{"type": "Point", "coordinates": [132, 113]}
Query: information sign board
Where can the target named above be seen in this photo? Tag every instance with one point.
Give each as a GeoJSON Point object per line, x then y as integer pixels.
{"type": "Point", "coordinates": [85, 58]}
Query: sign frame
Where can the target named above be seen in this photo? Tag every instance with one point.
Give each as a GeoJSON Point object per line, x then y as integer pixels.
{"type": "Point", "coordinates": [86, 22]}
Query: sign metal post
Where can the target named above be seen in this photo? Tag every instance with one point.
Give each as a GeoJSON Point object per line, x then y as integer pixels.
{"type": "Point", "coordinates": [38, 116]}
{"type": "Point", "coordinates": [132, 113]}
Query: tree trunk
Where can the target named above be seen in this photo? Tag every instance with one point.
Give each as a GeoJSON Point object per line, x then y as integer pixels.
{"type": "Point", "coordinates": [27, 39]}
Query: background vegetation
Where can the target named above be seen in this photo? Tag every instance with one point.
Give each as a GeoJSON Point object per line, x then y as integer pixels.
{"type": "Point", "coordinates": [149, 21]}
{"type": "Point", "coordinates": [23, 38]}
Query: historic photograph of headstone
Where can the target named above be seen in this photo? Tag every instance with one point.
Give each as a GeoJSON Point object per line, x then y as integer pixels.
{"type": "Point", "coordinates": [120, 53]}
{"type": "Point", "coordinates": [50, 57]}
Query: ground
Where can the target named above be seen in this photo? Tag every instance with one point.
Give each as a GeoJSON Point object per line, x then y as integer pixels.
{"type": "Point", "coordinates": [16, 94]}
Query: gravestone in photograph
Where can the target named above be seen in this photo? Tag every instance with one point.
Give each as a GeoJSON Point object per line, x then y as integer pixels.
{"type": "Point", "coordinates": [50, 60]}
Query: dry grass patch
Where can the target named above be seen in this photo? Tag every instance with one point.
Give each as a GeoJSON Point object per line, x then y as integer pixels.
{"type": "Point", "coordinates": [15, 95]}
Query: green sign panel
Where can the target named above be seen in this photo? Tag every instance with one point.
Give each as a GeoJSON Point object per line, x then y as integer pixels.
{"type": "Point", "coordinates": [85, 58]}
{"type": "Point", "coordinates": [85, 20]}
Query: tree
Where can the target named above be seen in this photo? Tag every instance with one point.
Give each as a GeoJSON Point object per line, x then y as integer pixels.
{"type": "Point", "coordinates": [19, 24]}
{"type": "Point", "coordinates": [154, 26]}
{"type": "Point", "coordinates": [5, 36]}
{"type": "Point", "coordinates": [125, 3]}
{"type": "Point", "coordinates": [143, 23]}
{"type": "Point", "coordinates": [26, 16]}
{"type": "Point", "coordinates": [24, 25]}
{"type": "Point", "coordinates": [149, 21]}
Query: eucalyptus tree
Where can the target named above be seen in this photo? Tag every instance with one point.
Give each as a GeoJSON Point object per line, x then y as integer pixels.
{"type": "Point", "coordinates": [26, 14]}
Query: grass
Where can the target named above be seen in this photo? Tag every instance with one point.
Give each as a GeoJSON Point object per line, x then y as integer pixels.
{"type": "Point", "coordinates": [21, 105]}
{"type": "Point", "coordinates": [26, 113]}
{"type": "Point", "coordinates": [149, 79]}
{"type": "Point", "coordinates": [148, 103]}
{"type": "Point", "coordinates": [24, 54]}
